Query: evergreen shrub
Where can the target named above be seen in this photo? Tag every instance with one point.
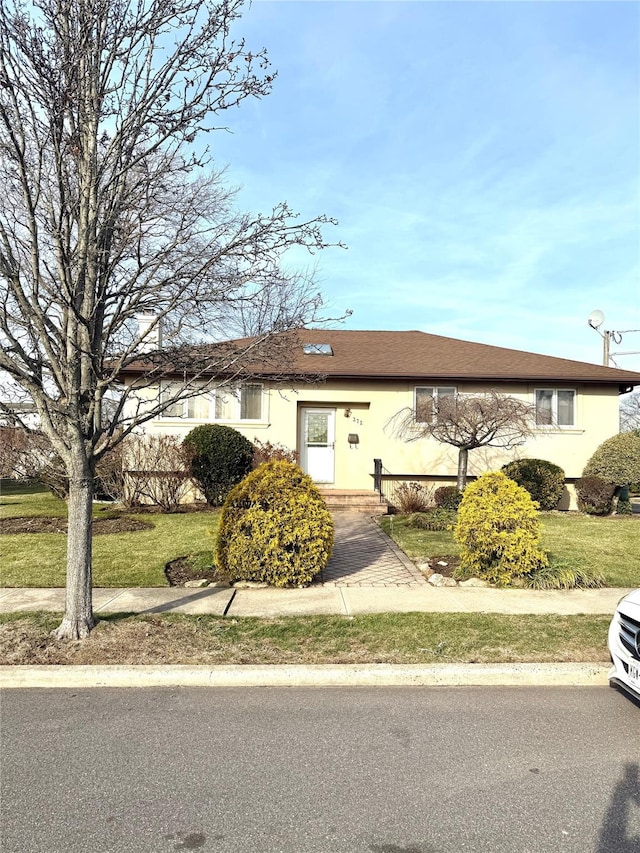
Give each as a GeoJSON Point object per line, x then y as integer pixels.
{"type": "Point", "coordinates": [220, 458]}
{"type": "Point", "coordinates": [275, 527]}
{"type": "Point", "coordinates": [447, 497]}
{"type": "Point", "coordinates": [542, 479]}
{"type": "Point", "coordinates": [498, 530]}
{"type": "Point", "coordinates": [617, 459]}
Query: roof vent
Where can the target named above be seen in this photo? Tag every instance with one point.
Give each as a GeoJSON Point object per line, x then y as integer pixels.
{"type": "Point", "coordinates": [317, 349]}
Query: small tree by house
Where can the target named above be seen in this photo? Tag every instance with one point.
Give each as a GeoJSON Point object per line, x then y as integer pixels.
{"type": "Point", "coordinates": [467, 421]}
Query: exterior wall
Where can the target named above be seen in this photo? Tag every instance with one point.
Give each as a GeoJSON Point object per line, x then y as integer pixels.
{"type": "Point", "coordinates": [366, 409]}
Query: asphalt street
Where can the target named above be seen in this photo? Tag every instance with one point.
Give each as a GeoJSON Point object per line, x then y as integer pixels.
{"type": "Point", "coordinates": [377, 770]}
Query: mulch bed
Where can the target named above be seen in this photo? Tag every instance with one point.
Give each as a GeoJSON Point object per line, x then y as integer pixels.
{"type": "Point", "coordinates": [181, 570]}
{"type": "Point", "coordinates": [101, 526]}
{"type": "Point", "coordinates": [452, 561]}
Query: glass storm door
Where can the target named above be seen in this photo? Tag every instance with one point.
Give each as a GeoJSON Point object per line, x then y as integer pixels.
{"type": "Point", "coordinates": [318, 444]}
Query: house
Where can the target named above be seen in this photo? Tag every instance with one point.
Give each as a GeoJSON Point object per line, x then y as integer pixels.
{"type": "Point", "coordinates": [335, 401]}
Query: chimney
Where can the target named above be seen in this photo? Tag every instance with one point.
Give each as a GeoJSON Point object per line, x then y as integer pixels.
{"type": "Point", "coordinates": [150, 338]}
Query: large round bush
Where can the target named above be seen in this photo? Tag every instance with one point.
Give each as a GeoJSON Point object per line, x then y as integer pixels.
{"type": "Point", "coordinates": [617, 460]}
{"type": "Point", "coordinates": [498, 530]}
{"type": "Point", "coordinates": [275, 527]}
{"type": "Point", "coordinates": [220, 458]}
{"type": "Point", "coordinates": [542, 479]}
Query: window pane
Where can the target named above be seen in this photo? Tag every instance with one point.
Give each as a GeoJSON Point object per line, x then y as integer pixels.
{"type": "Point", "coordinates": [566, 408]}
{"type": "Point", "coordinates": [226, 405]}
{"type": "Point", "coordinates": [424, 405]}
{"type": "Point", "coordinates": [446, 392]}
{"type": "Point", "coordinates": [251, 402]}
{"type": "Point", "coordinates": [544, 407]}
{"type": "Point", "coordinates": [446, 400]}
{"type": "Point", "coordinates": [174, 410]}
{"type": "Point", "coordinates": [198, 407]}
{"type": "Point", "coordinates": [317, 429]}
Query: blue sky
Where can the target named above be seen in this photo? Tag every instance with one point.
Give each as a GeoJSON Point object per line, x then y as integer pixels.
{"type": "Point", "coordinates": [482, 158]}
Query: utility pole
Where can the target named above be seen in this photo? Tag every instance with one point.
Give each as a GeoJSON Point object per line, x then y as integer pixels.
{"type": "Point", "coordinates": [595, 320]}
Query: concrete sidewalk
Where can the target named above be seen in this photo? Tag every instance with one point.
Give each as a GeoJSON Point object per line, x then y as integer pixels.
{"type": "Point", "coordinates": [323, 600]}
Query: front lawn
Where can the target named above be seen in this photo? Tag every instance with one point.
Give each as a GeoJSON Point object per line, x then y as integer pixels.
{"type": "Point", "coordinates": [128, 559]}
{"type": "Point", "coordinates": [609, 545]}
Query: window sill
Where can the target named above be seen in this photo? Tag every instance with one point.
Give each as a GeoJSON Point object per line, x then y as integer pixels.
{"type": "Point", "coordinates": [558, 430]}
{"type": "Point", "coordinates": [198, 421]}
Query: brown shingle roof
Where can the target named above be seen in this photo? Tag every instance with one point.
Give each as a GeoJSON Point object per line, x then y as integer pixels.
{"type": "Point", "coordinates": [420, 356]}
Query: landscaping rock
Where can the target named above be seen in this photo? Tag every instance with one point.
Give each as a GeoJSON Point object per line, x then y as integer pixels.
{"type": "Point", "coordinates": [250, 585]}
{"type": "Point", "coordinates": [220, 585]}
{"type": "Point", "coordinates": [437, 579]}
{"type": "Point", "coordinates": [197, 584]}
{"type": "Point", "coordinates": [425, 569]}
{"type": "Point", "coordinates": [474, 582]}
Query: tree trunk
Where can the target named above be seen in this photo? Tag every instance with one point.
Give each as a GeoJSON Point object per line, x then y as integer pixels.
{"type": "Point", "coordinates": [615, 500]}
{"type": "Point", "coordinates": [78, 618]}
{"type": "Point", "coordinates": [463, 458]}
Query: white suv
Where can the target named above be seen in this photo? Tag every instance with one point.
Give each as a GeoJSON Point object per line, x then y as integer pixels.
{"type": "Point", "coordinates": [624, 645]}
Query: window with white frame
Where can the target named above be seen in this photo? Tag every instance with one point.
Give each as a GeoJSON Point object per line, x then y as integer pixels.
{"type": "Point", "coordinates": [237, 403]}
{"type": "Point", "coordinates": [555, 407]}
{"type": "Point", "coordinates": [426, 400]}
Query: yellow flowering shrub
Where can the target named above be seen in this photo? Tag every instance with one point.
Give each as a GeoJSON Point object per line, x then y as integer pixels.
{"type": "Point", "coordinates": [275, 527]}
{"type": "Point", "coordinates": [498, 529]}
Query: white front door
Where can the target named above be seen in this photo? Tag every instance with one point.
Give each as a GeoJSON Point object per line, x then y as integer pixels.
{"type": "Point", "coordinates": [317, 456]}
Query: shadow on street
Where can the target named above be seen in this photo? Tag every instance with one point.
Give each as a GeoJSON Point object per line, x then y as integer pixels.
{"type": "Point", "coordinates": [615, 835]}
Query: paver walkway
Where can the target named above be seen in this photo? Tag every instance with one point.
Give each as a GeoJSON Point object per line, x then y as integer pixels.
{"type": "Point", "coordinates": [363, 555]}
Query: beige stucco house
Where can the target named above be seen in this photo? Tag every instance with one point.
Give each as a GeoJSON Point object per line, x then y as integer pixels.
{"type": "Point", "coordinates": [335, 400]}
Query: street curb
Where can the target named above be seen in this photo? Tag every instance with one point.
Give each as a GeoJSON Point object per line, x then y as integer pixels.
{"type": "Point", "coordinates": [348, 675]}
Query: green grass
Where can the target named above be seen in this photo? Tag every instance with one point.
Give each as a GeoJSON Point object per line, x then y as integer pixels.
{"type": "Point", "coordinates": [399, 638]}
{"type": "Point", "coordinates": [20, 499]}
{"type": "Point", "coordinates": [119, 559]}
{"type": "Point", "coordinates": [610, 546]}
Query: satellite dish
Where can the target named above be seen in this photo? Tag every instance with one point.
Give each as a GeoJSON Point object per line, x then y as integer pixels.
{"type": "Point", "coordinates": [595, 319]}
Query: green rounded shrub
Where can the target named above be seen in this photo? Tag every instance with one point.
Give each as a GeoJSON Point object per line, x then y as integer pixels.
{"type": "Point", "coordinates": [595, 495]}
{"type": "Point", "coordinates": [542, 479]}
{"type": "Point", "coordinates": [447, 497]}
{"type": "Point", "coordinates": [617, 460]}
{"type": "Point", "coordinates": [498, 530]}
{"type": "Point", "coordinates": [275, 527]}
{"type": "Point", "coordinates": [220, 458]}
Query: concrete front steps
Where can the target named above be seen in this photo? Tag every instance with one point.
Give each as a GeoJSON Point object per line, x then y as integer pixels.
{"type": "Point", "coordinates": [354, 500]}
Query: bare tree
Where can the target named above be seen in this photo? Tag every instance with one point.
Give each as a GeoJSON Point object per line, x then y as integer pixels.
{"type": "Point", "coordinates": [111, 209]}
{"type": "Point", "coordinates": [468, 421]}
{"type": "Point", "coordinates": [630, 412]}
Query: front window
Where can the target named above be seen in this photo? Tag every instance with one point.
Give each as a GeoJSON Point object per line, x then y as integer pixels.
{"type": "Point", "coordinates": [427, 401]}
{"type": "Point", "coordinates": [241, 403]}
{"type": "Point", "coordinates": [175, 409]}
{"type": "Point", "coordinates": [555, 407]}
